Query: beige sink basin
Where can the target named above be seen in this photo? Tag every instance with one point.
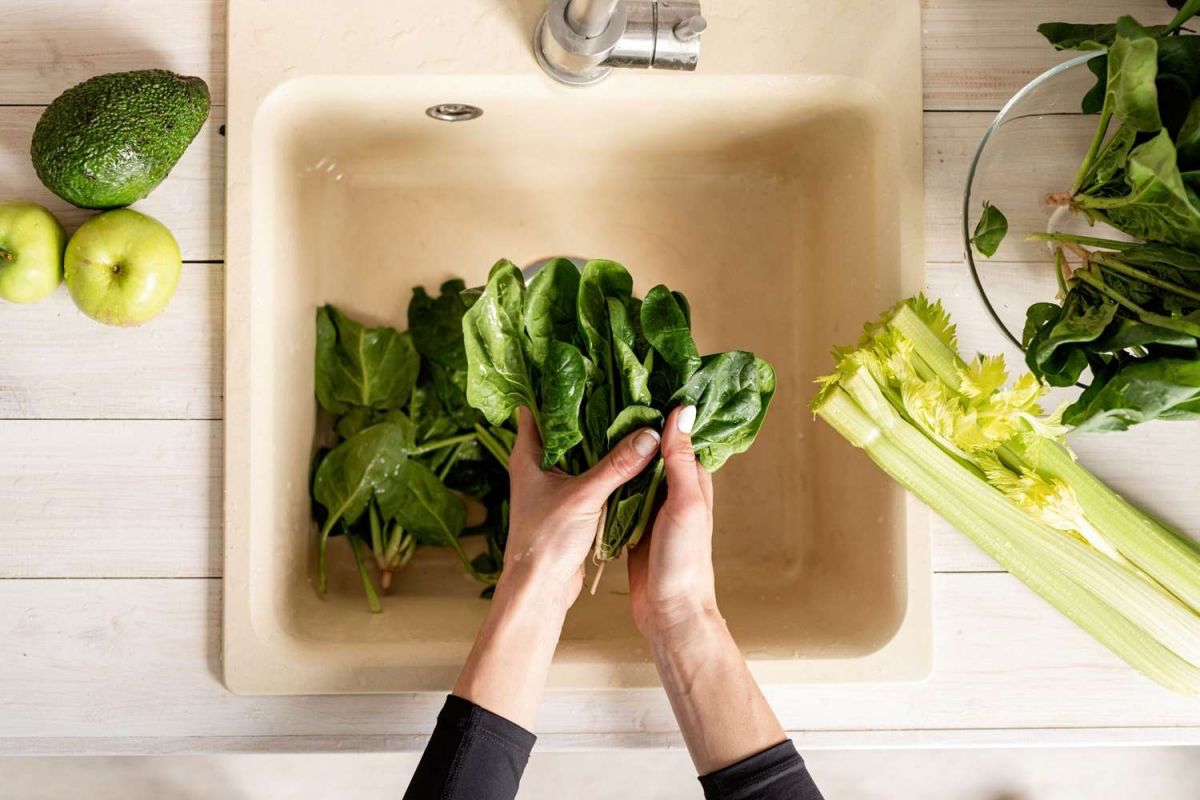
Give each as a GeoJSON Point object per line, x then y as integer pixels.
{"type": "Point", "coordinates": [782, 205]}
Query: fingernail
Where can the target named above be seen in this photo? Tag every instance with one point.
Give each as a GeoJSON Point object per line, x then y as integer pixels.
{"type": "Point", "coordinates": [645, 443]}
{"type": "Point", "coordinates": [686, 419]}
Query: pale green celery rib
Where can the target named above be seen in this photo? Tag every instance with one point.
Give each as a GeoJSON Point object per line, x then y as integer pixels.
{"type": "Point", "coordinates": [1155, 548]}
{"type": "Point", "coordinates": [917, 473]}
{"type": "Point", "coordinates": [1143, 601]}
{"type": "Point", "coordinates": [940, 358]}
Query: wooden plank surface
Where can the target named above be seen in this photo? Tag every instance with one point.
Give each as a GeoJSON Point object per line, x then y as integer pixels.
{"type": "Point", "coordinates": [116, 658]}
{"type": "Point", "coordinates": [111, 499]}
{"type": "Point", "coordinates": [48, 46]}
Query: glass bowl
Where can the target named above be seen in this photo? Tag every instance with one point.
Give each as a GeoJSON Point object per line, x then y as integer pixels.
{"type": "Point", "coordinates": [1031, 150]}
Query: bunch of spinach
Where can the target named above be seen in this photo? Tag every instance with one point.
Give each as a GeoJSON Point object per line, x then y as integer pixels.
{"type": "Point", "coordinates": [408, 447]}
{"type": "Point", "coordinates": [1129, 312]}
{"type": "Point", "coordinates": [594, 363]}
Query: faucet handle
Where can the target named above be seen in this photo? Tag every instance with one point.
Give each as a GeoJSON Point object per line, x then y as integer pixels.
{"type": "Point", "coordinates": [690, 28]}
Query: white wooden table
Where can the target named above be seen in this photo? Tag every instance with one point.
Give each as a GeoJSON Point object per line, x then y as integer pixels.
{"type": "Point", "coordinates": [111, 462]}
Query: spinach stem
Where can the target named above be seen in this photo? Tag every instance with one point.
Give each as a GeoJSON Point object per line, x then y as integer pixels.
{"type": "Point", "coordinates": [445, 470]}
{"type": "Point", "coordinates": [492, 445]}
{"type": "Point", "coordinates": [489, 580]}
{"type": "Point", "coordinates": [648, 503]}
{"type": "Point", "coordinates": [438, 445]}
{"type": "Point", "coordinates": [1091, 280]}
{"type": "Point", "coordinates": [1097, 141]}
{"type": "Point", "coordinates": [376, 534]}
{"type": "Point", "coordinates": [1071, 238]}
{"type": "Point", "coordinates": [368, 586]}
{"type": "Point", "coordinates": [1122, 268]}
{"type": "Point", "coordinates": [321, 544]}
{"type": "Point", "coordinates": [1060, 264]}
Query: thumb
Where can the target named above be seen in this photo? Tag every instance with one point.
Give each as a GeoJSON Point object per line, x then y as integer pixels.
{"type": "Point", "coordinates": [683, 476]}
{"type": "Point", "coordinates": [623, 462]}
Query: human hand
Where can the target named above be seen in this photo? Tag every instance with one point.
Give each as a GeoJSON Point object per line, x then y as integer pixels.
{"type": "Point", "coordinates": [671, 583]}
{"type": "Point", "coordinates": [553, 516]}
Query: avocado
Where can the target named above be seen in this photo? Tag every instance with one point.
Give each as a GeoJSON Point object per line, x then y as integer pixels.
{"type": "Point", "coordinates": [110, 140]}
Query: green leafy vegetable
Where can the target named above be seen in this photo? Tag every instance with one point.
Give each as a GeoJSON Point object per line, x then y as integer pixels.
{"type": "Point", "coordinates": [563, 384]}
{"type": "Point", "coordinates": [1132, 67]}
{"type": "Point", "coordinates": [550, 307]}
{"type": "Point", "coordinates": [365, 467]}
{"type": "Point", "coordinates": [359, 366]}
{"type": "Point", "coordinates": [666, 325]}
{"type": "Point", "coordinates": [990, 230]}
{"type": "Point", "coordinates": [498, 379]}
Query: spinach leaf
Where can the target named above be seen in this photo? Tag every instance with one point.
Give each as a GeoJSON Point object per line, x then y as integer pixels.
{"type": "Point", "coordinates": [1159, 206]}
{"type": "Point", "coordinates": [1093, 101]}
{"type": "Point", "coordinates": [630, 419]}
{"type": "Point", "coordinates": [1083, 319]}
{"type": "Point", "coordinates": [426, 508]}
{"type": "Point", "coordinates": [550, 308]}
{"type": "Point", "coordinates": [1110, 163]}
{"type": "Point", "coordinates": [436, 325]}
{"type": "Point", "coordinates": [666, 326]}
{"type": "Point", "coordinates": [596, 417]}
{"type": "Point", "coordinates": [498, 379]}
{"type": "Point", "coordinates": [359, 419]}
{"type": "Point", "coordinates": [432, 421]}
{"type": "Point", "coordinates": [564, 380]}
{"type": "Point", "coordinates": [632, 374]}
{"type": "Point", "coordinates": [990, 230]}
{"type": "Point", "coordinates": [600, 281]}
{"type": "Point", "coordinates": [359, 366]}
{"type": "Point", "coordinates": [433, 514]}
{"type": "Point", "coordinates": [363, 468]}
{"type": "Point", "coordinates": [1132, 68]}
{"type": "Point", "coordinates": [731, 393]}
{"type": "Point", "coordinates": [1158, 388]}
{"type": "Point", "coordinates": [1187, 141]}
{"type": "Point", "coordinates": [619, 524]}
{"type": "Point", "coordinates": [451, 388]}
{"type": "Point", "coordinates": [1073, 36]}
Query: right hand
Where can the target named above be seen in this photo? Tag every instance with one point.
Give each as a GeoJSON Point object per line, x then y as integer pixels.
{"type": "Point", "coordinates": [671, 583]}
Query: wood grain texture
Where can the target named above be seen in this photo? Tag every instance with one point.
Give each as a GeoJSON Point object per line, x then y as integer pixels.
{"type": "Point", "coordinates": [191, 201]}
{"type": "Point", "coordinates": [59, 364]}
{"type": "Point", "coordinates": [115, 659]}
{"type": "Point", "coordinates": [979, 53]}
{"type": "Point", "coordinates": [107, 499]}
{"type": "Point", "coordinates": [48, 46]}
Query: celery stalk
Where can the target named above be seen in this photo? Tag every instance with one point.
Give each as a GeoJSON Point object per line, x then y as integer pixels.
{"type": "Point", "coordinates": [954, 492]}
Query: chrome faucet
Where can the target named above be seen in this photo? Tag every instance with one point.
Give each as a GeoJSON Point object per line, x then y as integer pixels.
{"type": "Point", "coordinates": [579, 42]}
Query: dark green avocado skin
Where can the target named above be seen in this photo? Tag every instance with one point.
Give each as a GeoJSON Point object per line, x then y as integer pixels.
{"type": "Point", "coordinates": [110, 140]}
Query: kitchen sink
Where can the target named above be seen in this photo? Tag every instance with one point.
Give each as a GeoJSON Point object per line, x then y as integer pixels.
{"type": "Point", "coordinates": [786, 206]}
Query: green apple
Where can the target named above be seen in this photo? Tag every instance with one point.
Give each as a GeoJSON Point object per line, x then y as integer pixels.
{"type": "Point", "coordinates": [122, 267]}
{"type": "Point", "coordinates": [31, 252]}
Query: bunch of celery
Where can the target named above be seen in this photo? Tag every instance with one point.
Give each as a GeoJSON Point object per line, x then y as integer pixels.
{"type": "Point", "coordinates": [983, 456]}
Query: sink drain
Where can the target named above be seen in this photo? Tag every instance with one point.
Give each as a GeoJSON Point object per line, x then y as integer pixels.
{"type": "Point", "coordinates": [454, 112]}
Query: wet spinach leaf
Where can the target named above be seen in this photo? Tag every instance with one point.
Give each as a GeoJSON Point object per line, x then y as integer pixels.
{"type": "Point", "coordinates": [436, 325]}
{"type": "Point", "coordinates": [498, 376]}
{"type": "Point", "coordinates": [564, 381]}
{"type": "Point", "coordinates": [359, 366]}
{"type": "Point", "coordinates": [666, 324]}
{"type": "Point", "coordinates": [550, 308]}
{"type": "Point", "coordinates": [632, 374]}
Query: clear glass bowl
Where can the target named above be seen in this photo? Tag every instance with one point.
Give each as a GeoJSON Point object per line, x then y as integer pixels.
{"type": "Point", "coordinates": [1031, 150]}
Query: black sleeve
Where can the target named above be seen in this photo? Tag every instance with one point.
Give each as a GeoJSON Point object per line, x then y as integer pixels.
{"type": "Point", "coordinates": [777, 773]}
{"type": "Point", "coordinates": [473, 754]}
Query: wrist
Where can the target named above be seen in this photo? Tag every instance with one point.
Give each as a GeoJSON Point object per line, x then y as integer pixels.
{"type": "Point", "coordinates": [533, 589]}
{"type": "Point", "coordinates": [684, 628]}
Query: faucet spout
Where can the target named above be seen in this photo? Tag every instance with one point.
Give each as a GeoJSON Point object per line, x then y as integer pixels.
{"type": "Point", "coordinates": [579, 42]}
{"type": "Point", "coordinates": [589, 18]}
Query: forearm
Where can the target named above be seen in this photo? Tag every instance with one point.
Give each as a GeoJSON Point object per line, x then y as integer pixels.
{"type": "Point", "coordinates": [506, 670]}
{"type": "Point", "coordinates": [721, 711]}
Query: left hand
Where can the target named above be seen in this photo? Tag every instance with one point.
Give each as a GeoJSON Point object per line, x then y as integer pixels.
{"type": "Point", "coordinates": [554, 516]}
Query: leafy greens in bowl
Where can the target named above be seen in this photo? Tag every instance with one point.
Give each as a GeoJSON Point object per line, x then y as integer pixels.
{"type": "Point", "coordinates": [1128, 299]}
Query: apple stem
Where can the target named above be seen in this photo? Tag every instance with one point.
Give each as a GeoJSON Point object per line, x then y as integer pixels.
{"type": "Point", "coordinates": [4, 254]}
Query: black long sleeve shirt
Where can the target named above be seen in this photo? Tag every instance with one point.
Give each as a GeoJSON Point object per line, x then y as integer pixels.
{"type": "Point", "coordinates": [474, 754]}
